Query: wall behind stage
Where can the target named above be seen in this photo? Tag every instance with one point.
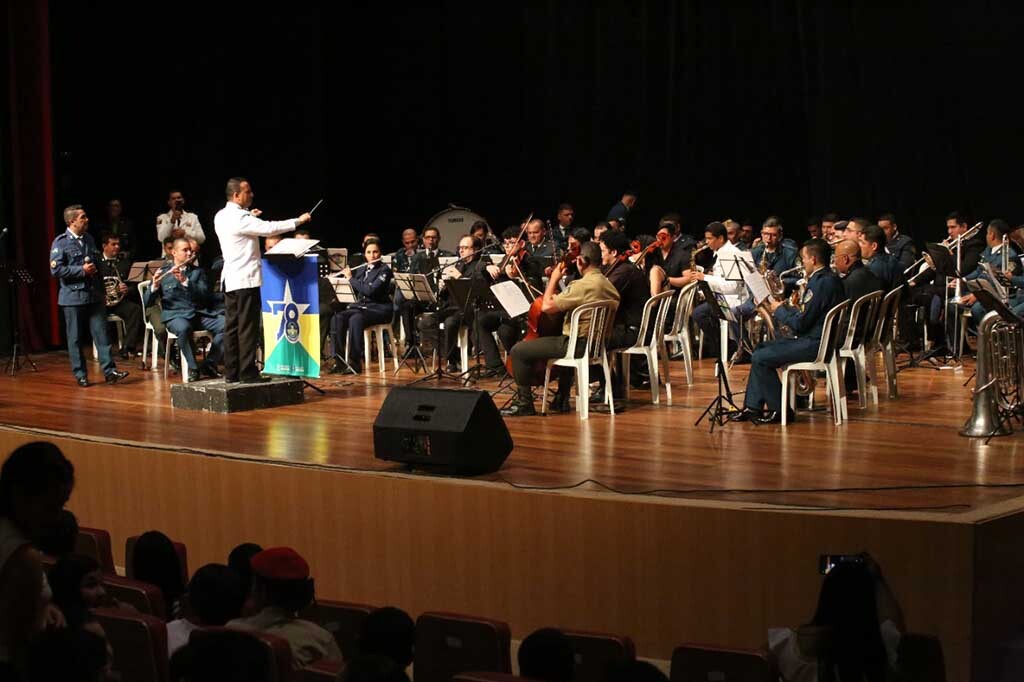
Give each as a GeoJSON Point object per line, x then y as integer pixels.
{"type": "Point", "coordinates": [391, 113]}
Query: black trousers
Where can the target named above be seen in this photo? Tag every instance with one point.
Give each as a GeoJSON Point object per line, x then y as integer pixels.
{"type": "Point", "coordinates": [526, 354]}
{"type": "Point", "coordinates": [241, 333]}
{"type": "Point", "coordinates": [509, 331]}
{"type": "Point", "coordinates": [131, 313]}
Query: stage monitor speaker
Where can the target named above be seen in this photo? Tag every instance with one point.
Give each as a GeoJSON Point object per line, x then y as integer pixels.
{"type": "Point", "coordinates": [453, 431]}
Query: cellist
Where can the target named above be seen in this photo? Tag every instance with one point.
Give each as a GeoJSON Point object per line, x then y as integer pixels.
{"type": "Point", "coordinates": [591, 287]}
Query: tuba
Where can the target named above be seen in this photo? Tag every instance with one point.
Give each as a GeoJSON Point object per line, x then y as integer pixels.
{"type": "Point", "coordinates": [997, 387]}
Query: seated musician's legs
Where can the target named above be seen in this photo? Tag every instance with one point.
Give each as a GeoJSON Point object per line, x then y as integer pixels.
{"type": "Point", "coordinates": [339, 330]}
{"type": "Point", "coordinates": [215, 325]}
{"type": "Point", "coordinates": [450, 336]}
{"type": "Point", "coordinates": [131, 313]}
{"type": "Point", "coordinates": [159, 330]}
{"type": "Point", "coordinates": [357, 323]}
{"type": "Point", "coordinates": [708, 324]}
{"type": "Point", "coordinates": [182, 328]}
{"type": "Point", "coordinates": [764, 389]}
{"type": "Point", "coordinates": [623, 336]}
{"type": "Point", "coordinates": [488, 322]}
{"type": "Point", "coordinates": [977, 312]}
{"type": "Point", "coordinates": [524, 356]}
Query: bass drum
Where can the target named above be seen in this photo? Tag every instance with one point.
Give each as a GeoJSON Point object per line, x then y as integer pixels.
{"type": "Point", "coordinates": [452, 223]}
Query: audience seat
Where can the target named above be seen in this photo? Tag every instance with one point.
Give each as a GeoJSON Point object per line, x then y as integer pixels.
{"type": "Point", "coordinates": [488, 677]}
{"type": "Point", "coordinates": [139, 642]}
{"type": "Point", "coordinates": [95, 543]}
{"type": "Point", "coordinates": [448, 644]}
{"type": "Point", "coordinates": [129, 549]}
{"type": "Point", "coordinates": [595, 650]}
{"type": "Point", "coordinates": [342, 619]}
{"type": "Point", "coordinates": [920, 658]}
{"type": "Point", "coordinates": [699, 663]}
{"type": "Point", "coordinates": [148, 599]}
{"type": "Point", "coordinates": [322, 671]}
{"type": "Point", "coordinates": [239, 654]}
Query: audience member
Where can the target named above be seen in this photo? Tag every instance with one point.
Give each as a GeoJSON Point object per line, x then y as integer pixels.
{"type": "Point", "coordinates": [240, 559]}
{"type": "Point", "coordinates": [215, 596]}
{"type": "Point", "coordinates": [155, 561]}
{"type": "Point", "coordinates": [35, 483]}
{"type": "Point", "coordinates": [372, 668]}
{"type": "Point", "coordinates": [547, 655]}
{"type": "Point", "coordinates": [77, 584]}
{"type": "Point", "coordinates": [71, 654]}
{"type": "Point", "coordinates": [281, 588]}
{"type": "Point", "coordinates": [389, 632]}
{"type": "Point", "coordinates": [855, 632]}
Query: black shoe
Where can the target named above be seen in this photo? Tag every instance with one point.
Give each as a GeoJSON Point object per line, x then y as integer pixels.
{"type": "Point", "coordinates": [125, 354]}
{"type": "Point", "coordinates": [174, 364]}
{"type": "Point", "coordinates": [747, 414]}
{"type": "Point", "coordinates": [491, 372]}
{"type": "Point", "coordinates": [522, 405]}
{"type": "Point", "coordinates": [193, 375]}
{"type": "Point", "coordinates": [560, 403]}
{"type": "Point", "coordinates": [83, 382]}
{"type": "Point", "coordinates": [114, 376]}
{"type": "Point", "coordinates": [774, 417]}
{"type": "Point", "coordinates": [230, 381]}
{"type": "Point", "coordinates": [258, 379]}
{"type": "Point", "coordinates": [209, 370]}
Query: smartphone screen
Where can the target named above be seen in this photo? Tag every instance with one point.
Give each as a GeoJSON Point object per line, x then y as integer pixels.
{"type": "Point", "coordinates": [826, 562]}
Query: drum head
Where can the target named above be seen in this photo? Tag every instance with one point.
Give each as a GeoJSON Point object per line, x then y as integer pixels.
{"type": "Point", "coordinates": [452, 223]}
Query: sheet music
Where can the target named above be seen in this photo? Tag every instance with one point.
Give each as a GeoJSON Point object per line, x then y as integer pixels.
{"type": "Point", "coordinates": [343, 290]}
{"type": "Point", "coordinates": [999, 291]}
{"type": "Point", "coordinates": [730, 268]}
{"type": "Point", "coordinates": [511, 298]}
{"type": "Point", "coordinates": [758, 286]}
{"type": "Point", "coordinates": [292, 247]}
{"type": "Point", "coordinates": [137, 273]}
{"type": "Point", "coordinates": [496, 258]}
{"type": "Point", "coordinates": [445, 261]}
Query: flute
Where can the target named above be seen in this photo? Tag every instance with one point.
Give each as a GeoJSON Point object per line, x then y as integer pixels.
{"type": "Point", "coordinates": [173, 269]}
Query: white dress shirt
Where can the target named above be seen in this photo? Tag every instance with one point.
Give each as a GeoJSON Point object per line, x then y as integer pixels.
{"type": "Point", "coordinates": [188, 222]}
{"type": "Point", "coordinates": [734, 289]}
{"type": "Point", "coordinates": [239, 232]}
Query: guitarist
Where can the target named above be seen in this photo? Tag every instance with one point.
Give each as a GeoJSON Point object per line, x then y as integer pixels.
{"type": "Point", "coordinates": [592, 286]}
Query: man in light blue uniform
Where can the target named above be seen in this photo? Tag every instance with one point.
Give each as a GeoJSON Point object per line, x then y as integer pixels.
{"type": "Point", "coordinates": [824, 292]}
{"type": "Point", "coordinates": [73, 259]}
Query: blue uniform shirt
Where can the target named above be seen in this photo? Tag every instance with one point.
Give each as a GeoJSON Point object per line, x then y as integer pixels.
{"type": "Point", "coordinates": [824, 292]}
{"type": "Point", "coordinates": [178, 300]}
{"type": "Point", "coordinates": [67, 259]}
{"type": "Point", "coordinates": [887, 269]}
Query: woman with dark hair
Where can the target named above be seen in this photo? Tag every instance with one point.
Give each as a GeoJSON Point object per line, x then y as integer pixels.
{"type": "Point", "coordinates": [855, 632]}
{"type": "Point", "coordinates": [35, 484]}
{"type": "Point", "coordinates": [155, 561]}
{"type": "Point", "coordinates": [372, 285]}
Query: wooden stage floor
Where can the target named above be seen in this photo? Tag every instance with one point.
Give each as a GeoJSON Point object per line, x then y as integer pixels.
{"type": "Point", "coordinates": [902, 456]}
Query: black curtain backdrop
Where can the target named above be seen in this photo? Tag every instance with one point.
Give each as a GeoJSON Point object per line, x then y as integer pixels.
{"type": "Point", "coordinates": [714, 110]}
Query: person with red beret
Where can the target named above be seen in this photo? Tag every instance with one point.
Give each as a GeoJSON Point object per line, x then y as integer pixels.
{"type": "Point", "coordinates": [281, 588]}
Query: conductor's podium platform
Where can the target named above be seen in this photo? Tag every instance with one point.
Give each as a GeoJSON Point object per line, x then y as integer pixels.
{"type": "Point", "coordinates": [213, 395]}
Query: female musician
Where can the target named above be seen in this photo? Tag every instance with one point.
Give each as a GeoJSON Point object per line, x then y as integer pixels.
{"type": "Point", "coordinates": [372, 284]}
{"type": "Point", "coordinates": [667, 261]}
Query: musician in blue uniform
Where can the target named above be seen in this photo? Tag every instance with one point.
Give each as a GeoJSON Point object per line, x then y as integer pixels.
{"type": "Point", "coordinates": [73, 260]}
{"type": "Point", "coordinates": [372, 284]}
{"type": "Point", "coordinates": [993, 256]}
{"type": "Point", "coordinates": [186, 306]}
{"type": "Point", "coordinates": [771, 254]}
{"type": "Point", "coordinates": [763, 399]}
{"type": "Point", "coordinates": [872, 249]}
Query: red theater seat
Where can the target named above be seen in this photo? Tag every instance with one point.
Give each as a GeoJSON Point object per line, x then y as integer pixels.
{"type": "Point", "coordinates": [448, 644]}
{"type": "Point", "coordinates": [698, 663]}
{"type": "Point", "coordinates": [595, 650]}
{"type": "Point", "coordinates": [148, 599]}
{"type": "Point", "coordinates": [321, 671]}
{"type": "Point", "coordinates": [487, 677]}
{"type": "Point", "coordinates": [96, 543]}
{"type": "Point", "coordinates": [253, 656]}
{"type": "Point", "coordinates": [129, 549]}
{"type": "Point", "coordinates": [139, 642]}
{"type": "Point", "coordinates": [341, 619]}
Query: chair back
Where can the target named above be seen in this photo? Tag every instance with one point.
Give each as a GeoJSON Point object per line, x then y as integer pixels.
{"type": "Point", "coordinates": [595, 651]}
{"type": "Point", "coordinates": [146, 598]}
{"type": "Point", "coordinates": [599, 316]}
{"type": "Point", "coordinates": [139, 642]}
{"type": "Point", "coordinates": [450, 643]}
{"type": "Point", "coordinates": [862, 318]}
{"type": "Point", "coordinates": [226, 655]}
{"type": "Point", "coordinates": [129, 554]}
{"type": "Point", "coordinates": [95, 543]}
{"type": "Point", "coordinates": [697, 663]}
{"type": "Point", "coordinates": [655, 312]}
{"type": "Point", "coordinates": [920, 658]}
{"type": "Point", "coordinates": [323, 670]}
{"type": "Point", "coordinates": [342, 619]}
{"type": "Point", "coordinates": [830, 333]}
{"type": "Point", "coordinates": [887, 316]}
{"type": "Point", "coordinates": [684, 307]}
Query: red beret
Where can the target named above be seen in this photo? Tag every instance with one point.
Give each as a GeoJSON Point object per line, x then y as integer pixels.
{"type": "Point", "coordinates": [280, 563]}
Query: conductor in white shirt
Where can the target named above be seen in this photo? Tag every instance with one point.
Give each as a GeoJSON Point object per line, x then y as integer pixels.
{"type": "Point", "coordinates": [239, 230]}
{"type": "Point", "coordinates": [178, 222]}
{"type": "Point", "coordinates": [723, 278]}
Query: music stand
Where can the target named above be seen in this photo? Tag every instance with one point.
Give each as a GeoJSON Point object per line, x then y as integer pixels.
{"type": "Point", "coordinates": [344, 292]}
{"type": "Point", "coordinates": [717, 412]}
{"type": "Point", "coordinates": [945, 266]}
{"type": "Point", "coordinates": [415, 288]}
{"type": "Point", "coordinates": [460, 291]}
{"type": "Point", "coordinates": [468, 293]}
{"type": "Point", "coordinates": [17, 276]}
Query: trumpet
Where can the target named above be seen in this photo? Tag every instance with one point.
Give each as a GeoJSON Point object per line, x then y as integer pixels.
{"type": "Point", "coordinates": [949, 243]}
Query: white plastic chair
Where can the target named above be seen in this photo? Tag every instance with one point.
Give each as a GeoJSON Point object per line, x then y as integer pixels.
{"type": "Point", "coordinates": [863, 317]}
{"type": "Point", "coordinates": [149, 332]}
{"type": "Point", "coordinates": [655, 311]}
{"type": "Point", "coordinates": [883, 341]}
{"type": "Point", "coordinates": [827, 361]}
{"type": "Point", "coordinates": [121, 331]}
{"type": "Point", "coordinates": [197, 336]}
{"type": "Point", "coordinates": [680, 332]}
{"type": "Point", "coordinates": [377, 331]}
{"type": "Point", "coordinates": [600, 314]}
